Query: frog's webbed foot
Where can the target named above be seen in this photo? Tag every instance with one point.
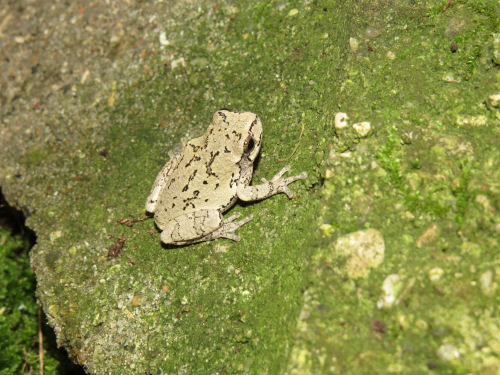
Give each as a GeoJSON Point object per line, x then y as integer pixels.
{"type": "Point", "coordinates": [282, 183]}
{"type": "Point", "coordinates": [228, 227]}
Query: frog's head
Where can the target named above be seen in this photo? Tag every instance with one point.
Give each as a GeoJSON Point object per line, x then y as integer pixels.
{"type": "Point", "coordinates": [242, 132]}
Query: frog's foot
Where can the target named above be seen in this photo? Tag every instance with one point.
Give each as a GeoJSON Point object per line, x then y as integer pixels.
{"type": "Point", "coordinates": [281, 184]}
{"type": "Point", "coordinates": [228, 227]}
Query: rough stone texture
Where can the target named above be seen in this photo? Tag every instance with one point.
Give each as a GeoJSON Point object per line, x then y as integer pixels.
{"type": "Point", "coordinates": [94, 95]}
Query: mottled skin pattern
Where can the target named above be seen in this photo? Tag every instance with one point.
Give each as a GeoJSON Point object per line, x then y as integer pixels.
{"type": "Point", "coordinates": [210, 174]}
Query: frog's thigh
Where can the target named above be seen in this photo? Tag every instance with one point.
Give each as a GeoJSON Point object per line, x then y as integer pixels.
{"type": "Point", "coordinates": [192, 226]}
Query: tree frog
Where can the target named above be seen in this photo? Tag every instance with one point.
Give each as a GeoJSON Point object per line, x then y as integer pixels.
{"type": "Point", "coordinates": [210, 174]}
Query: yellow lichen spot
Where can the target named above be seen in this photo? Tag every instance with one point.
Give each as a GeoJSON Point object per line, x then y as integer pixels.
{"type": "Point", "coordinates": [429, 235]}
{"type": "Point", "coordinates": [364, 249]}
{"type": "Point", "coordinates": [55, 235]}
{"type": "Point", "coordinates": [136, 301]}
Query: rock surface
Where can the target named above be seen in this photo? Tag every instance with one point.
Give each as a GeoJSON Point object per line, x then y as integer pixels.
{"type": "Point", "coordinates": [94, 95]}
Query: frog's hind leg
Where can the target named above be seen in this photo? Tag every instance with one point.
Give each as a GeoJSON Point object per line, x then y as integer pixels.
{"type": "Point", "coordinates": [191, 227]}
{"type": "Point", "coordinates": [228, 227]}
{"type": "Point", "coordinates": [203, 225]}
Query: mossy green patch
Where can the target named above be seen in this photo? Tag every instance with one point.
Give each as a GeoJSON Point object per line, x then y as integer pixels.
{"type": "Point", "coordinates": [426, 181]}
{"type": "Point", "coordinates": [19, 314]}
{"type": "Point", "coordinates": [424, 175]}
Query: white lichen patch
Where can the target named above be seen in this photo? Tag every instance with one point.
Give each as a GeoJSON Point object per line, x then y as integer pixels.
{"type": "Point", "coordinates": [435, 274]}
{"type": "Point", "coordinates": [364, 249]}
{"type": "Point", "coordinates": [488, 285]}
{"type": "Point", "coordinates": [391, 287]}
{"type": "Point", "coordinates": [353, 44]}
{"type": "Point", "coordinates": [362, 128]}
{"type": "Point", "coordinates": [448, 352]}
{"type": "Point", "coordinates": [479, 120]}
{"type": "Point", "coordinates": [496, 48]}
{"type": "Point", "coordinates": [180, 62]}
{"type": "Point", "coordinates": [163, 39]}
{"type": "Point", "coordinates": [495, 100]}
{"type": "Point", "coordinates": [55, 235]}
{"type": "Point", "coordinates": [394, 289]}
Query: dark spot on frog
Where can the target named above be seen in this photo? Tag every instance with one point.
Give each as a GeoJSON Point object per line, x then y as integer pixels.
{"type": "Point", "coordinates": [253, 124]}
{"type": "Point", "coordinates": [194, 174]}
{"type": "Point", "coordinates": [173, 205]}
{"type": "Point", "coordinates": [194, 158]}
{"type": "Point", "coordinates": [223, 115]}
{"type": "Point", "coordinates": [205, 182]}
{"type": "Point", "coordinates": [194, 147]}
{"type": "Point", "coordinates": [209, 164]}
{"type": "Point", "coordinates": [216, 185]}
{"type": "Point", "coordinates": [185, 188]}
{"type": "Point", "coordinates": [237, 134]}
{"type": "Point", "coordinates": [226, 150]}
{"type": "Point", "coordinates": [206, 200]}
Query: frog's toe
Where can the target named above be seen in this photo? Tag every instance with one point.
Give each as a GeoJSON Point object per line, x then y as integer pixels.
{"type": "Point", "coordinates": [302, 176]}
{"type": "Point", "coordinates": [232, 217]}
{"type": "Point", "coordinates": [278, 175]}
{"type": "Point", "coordinates": [232, 236]}
{"type": "Point", "coordinates": [285, 189]}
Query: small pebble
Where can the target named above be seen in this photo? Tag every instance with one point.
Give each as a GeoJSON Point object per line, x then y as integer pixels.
{"type": "Point", "coordinates": [341, 120]}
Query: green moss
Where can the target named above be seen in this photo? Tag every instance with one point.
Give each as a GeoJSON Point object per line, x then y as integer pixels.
{"type": "Point", "coordinates": [18, 310]}
{"type": "Point", "coordinates": [274, 302]}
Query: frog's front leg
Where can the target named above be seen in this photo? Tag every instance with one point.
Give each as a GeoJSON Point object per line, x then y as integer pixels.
{"type": "Point", "coordinates": [202, 225]}
{"type": "Point", "coordinates": [276, 185]}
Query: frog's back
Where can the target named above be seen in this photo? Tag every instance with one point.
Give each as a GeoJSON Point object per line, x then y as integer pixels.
{"type": "Point", "coordinates": [202, 179]}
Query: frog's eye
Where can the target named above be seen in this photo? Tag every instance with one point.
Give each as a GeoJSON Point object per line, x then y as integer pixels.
{"type": "Point", "coordinates": [248, 145]}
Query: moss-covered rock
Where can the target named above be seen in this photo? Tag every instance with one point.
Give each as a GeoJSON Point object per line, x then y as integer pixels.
{"type": "Point", "coordinates": [424, 177]}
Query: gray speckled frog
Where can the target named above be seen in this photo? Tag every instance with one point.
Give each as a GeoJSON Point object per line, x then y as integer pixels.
{"type": "Point", "coordinates": [195, 187]}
